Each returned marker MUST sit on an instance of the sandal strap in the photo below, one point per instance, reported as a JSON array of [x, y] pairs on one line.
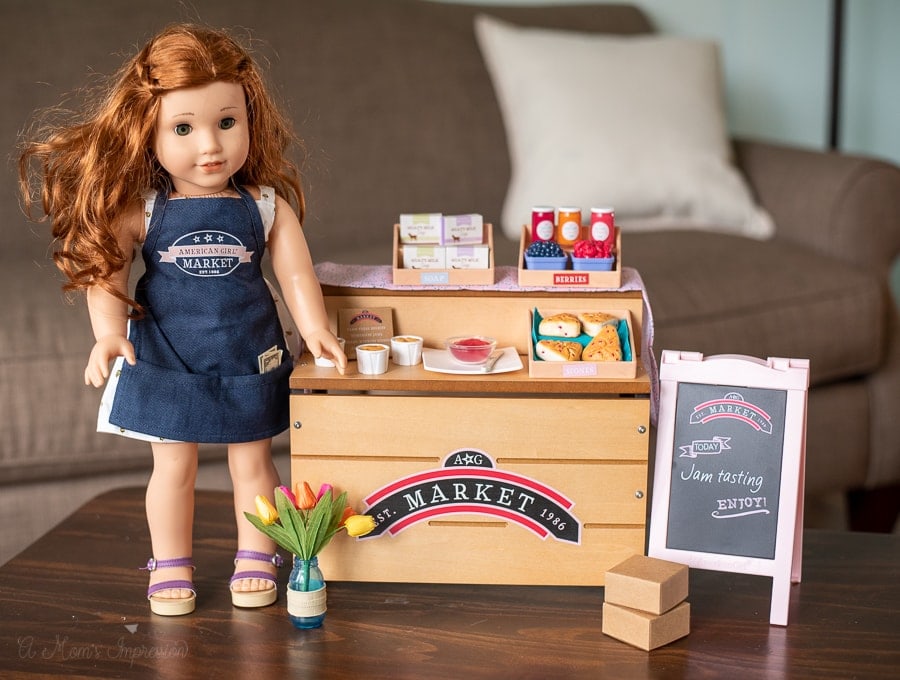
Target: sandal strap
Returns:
[[275, 559], [153, 564], [170, 585], [253, 574]]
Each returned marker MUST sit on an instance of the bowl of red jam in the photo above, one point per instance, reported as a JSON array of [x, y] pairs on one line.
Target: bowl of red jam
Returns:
[[471, 349]]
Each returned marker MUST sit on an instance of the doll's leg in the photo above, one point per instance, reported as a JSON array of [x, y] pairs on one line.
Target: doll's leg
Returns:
[[252, 473], [170, 512]]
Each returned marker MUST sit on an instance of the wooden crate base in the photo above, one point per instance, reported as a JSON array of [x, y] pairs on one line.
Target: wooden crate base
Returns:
[[354, 442], [563, 472], [494, 553]]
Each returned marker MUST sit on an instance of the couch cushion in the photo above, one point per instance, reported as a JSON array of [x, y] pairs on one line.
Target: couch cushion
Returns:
[[636, 122], [760, 301], [49, 427]]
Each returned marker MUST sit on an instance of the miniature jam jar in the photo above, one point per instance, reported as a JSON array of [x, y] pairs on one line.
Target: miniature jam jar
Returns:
[[603, 228], [569, 222], [542, 224]]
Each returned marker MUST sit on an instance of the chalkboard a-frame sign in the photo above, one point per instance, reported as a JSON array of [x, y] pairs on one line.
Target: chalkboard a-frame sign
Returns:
[[730, 467]]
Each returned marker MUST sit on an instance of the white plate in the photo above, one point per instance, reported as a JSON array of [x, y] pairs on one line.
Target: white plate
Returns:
[[441, 361]]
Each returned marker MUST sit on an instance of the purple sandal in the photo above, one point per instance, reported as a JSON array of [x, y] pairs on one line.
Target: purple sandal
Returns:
[[167, 606], [255, 598]]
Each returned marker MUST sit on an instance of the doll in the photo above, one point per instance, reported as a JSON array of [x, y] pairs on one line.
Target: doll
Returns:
[[183, 155]]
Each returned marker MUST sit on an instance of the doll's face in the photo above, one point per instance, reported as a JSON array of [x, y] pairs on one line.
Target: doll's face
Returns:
[[202, 136]]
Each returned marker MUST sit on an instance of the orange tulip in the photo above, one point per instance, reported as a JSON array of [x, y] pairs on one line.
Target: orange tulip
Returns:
[[348, 512], [306, 499]]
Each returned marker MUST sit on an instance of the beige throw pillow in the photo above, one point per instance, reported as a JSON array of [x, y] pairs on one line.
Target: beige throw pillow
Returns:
[[635, 122]]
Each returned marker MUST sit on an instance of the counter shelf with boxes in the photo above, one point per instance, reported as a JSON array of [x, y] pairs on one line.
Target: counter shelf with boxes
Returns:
[[565, 276], [478, 478], [438, 250]]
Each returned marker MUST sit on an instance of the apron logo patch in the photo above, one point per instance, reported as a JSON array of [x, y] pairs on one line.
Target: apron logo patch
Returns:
[[206, 253], [469, 483]]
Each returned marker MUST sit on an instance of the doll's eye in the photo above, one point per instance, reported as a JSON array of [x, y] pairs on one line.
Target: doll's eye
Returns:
[[227, 123], [183, 129]]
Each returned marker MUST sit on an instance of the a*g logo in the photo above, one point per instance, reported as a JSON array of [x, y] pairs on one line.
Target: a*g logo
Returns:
[[469, 483]]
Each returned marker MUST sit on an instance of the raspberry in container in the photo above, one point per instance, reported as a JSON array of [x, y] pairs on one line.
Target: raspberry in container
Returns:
[[543, 226]]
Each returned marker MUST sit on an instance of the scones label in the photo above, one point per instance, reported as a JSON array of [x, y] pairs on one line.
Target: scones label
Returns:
[[470, 483]]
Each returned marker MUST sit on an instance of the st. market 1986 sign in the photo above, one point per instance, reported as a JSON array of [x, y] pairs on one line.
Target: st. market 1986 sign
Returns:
[[469, 482]]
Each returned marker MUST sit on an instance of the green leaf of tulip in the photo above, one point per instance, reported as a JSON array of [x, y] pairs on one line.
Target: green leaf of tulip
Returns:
[[304, 524]]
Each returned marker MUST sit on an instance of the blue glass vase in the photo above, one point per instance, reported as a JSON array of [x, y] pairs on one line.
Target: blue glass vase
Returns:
[[306, 594]]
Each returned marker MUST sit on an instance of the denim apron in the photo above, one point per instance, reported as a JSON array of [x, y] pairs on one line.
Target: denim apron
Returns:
[[209, 316]]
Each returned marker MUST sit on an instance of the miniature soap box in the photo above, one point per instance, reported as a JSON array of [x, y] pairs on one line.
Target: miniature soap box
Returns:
[[463, 230], [424, 257], [418, 264], [467, 257], [421, 228]]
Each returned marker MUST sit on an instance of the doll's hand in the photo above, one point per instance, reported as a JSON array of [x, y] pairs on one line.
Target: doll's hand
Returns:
[[105, 350], [325, 344]]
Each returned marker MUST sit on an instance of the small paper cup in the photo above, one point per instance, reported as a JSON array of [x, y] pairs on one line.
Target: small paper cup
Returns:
[[328, 363], [406, 350], [372, 358]]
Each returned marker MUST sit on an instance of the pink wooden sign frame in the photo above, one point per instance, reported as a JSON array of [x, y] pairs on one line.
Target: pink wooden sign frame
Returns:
[[789, 375]]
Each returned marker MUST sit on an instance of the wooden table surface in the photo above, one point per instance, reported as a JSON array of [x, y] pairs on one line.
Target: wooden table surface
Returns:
[[73, 604]]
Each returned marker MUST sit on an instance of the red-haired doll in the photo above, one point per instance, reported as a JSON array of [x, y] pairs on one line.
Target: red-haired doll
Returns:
[[184, 156]]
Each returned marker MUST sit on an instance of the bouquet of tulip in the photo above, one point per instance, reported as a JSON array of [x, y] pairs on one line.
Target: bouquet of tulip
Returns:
[[303, 522]]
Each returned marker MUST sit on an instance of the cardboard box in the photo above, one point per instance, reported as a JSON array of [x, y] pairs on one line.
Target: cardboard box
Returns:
[[643, 630], [568, 278], [646, 583], [538, 368], [446, 276]]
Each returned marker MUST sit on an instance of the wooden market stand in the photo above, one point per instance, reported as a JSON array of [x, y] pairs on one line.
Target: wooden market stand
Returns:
[[586, 439]]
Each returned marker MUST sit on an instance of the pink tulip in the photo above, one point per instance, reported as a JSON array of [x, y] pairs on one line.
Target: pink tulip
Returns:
[[288, 494]]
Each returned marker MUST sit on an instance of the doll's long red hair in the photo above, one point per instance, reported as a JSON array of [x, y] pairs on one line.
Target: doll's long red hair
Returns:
[[92, 167]]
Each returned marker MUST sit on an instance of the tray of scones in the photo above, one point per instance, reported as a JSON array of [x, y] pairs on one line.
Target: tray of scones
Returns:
[[581, 344]]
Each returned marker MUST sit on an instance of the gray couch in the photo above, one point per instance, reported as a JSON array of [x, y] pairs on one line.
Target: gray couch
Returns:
[[398, 115]]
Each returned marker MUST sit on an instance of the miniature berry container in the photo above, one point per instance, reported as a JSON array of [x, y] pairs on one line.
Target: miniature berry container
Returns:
[[546, 263], [593, 264]]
